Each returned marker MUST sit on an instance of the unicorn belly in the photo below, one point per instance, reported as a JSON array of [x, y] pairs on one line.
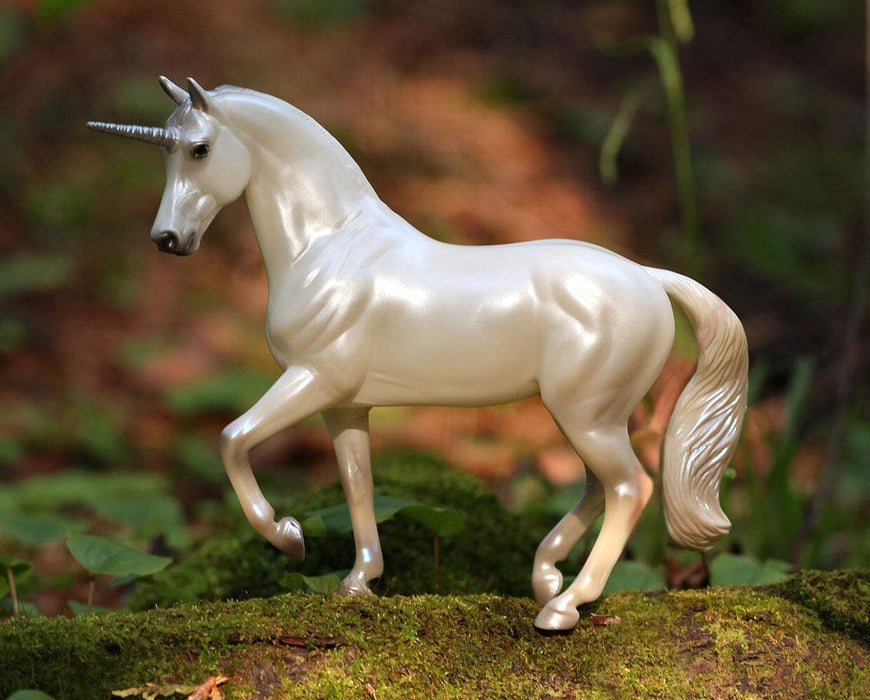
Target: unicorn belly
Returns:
[[450, 373]]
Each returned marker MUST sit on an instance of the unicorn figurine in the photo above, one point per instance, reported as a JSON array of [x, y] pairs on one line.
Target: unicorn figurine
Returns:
[[364, 310]]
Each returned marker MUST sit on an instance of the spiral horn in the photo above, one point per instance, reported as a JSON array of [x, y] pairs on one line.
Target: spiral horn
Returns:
[[168, 138]]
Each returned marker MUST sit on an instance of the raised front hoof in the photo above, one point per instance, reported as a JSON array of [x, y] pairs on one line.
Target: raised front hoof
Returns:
[[553, 619], [353, 585], [288, 538], [546, 583]]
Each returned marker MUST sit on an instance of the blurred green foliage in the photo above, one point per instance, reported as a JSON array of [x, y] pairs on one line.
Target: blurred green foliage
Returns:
[[323, 12], [232, 391], [44, 509], [26, 273], [56, 10]]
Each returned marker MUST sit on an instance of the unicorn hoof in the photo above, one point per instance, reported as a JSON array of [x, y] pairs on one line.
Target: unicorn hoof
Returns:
[[546, 583], [288, 538], [353, 585], [553, 619]]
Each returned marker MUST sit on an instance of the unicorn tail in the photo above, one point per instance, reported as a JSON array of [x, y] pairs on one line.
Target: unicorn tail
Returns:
[[705, 425]]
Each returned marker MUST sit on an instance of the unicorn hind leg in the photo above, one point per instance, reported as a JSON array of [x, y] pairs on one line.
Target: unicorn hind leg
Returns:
[[626, 489], [546, 578]]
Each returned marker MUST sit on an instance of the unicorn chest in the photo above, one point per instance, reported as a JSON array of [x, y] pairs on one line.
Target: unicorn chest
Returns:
[[311, 322]]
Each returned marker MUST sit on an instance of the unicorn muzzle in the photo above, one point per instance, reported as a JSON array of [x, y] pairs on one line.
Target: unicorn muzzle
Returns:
[[171, 242]]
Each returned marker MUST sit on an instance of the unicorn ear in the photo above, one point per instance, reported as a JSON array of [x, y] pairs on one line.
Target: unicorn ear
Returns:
[[171, 89], [198, 96]]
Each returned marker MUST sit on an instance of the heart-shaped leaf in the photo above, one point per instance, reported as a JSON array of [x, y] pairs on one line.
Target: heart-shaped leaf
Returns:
[[100, 555], [25, 609], [336, 519], [34, 529], [17, 565], [328, 583], [444, 522], [733, 569], [634, 576]]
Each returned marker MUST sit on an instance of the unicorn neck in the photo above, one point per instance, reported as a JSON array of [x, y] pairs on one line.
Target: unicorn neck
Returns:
[[289, 214], [303, 185]]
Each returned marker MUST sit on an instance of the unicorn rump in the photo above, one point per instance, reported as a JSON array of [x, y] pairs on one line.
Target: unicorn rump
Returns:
[[364, 310]]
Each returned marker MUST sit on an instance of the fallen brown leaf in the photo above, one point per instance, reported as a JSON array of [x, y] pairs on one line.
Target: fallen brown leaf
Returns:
[[209, 689], [604, 620], [151, 691]]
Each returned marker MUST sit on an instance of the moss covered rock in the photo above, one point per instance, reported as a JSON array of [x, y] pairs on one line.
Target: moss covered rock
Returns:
[[806, 637]]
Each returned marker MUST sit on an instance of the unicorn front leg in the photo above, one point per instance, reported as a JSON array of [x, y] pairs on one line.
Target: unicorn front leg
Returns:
[[349, 429], [297, 394]]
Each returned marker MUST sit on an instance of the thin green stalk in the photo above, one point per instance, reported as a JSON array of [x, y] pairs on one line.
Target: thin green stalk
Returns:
[[668, 64], [616, 135]]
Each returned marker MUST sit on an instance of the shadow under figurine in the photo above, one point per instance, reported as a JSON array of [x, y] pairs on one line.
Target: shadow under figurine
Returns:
[[364, 310]]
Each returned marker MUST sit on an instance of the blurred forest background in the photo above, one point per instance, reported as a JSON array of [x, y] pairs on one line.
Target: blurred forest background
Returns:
[[726, 140]]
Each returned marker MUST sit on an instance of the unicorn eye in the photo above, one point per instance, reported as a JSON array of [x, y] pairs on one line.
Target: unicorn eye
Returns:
[[200, 150]]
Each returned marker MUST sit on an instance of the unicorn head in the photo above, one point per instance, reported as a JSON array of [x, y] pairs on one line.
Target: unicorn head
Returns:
[[207, 166]]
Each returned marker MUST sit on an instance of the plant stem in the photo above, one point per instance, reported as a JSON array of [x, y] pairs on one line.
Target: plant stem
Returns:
[[91, 586], [666, 53], [12, 591]]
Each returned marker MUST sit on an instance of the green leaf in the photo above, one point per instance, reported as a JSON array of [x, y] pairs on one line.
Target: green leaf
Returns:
[[773, 571], [25, 609], [634, 576], [327, 583], [37, 528], [100, 555], [46, 493], [336, 519], [138, 500], [149, 515], [18, 566], [83, 609], [444, 522], [734, 570], [28, 694]]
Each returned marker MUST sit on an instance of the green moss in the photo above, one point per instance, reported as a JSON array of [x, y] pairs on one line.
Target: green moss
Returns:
[[719, 642], [840, 599], [493, 553]]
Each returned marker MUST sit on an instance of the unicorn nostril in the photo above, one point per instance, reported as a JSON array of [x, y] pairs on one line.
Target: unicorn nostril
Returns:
[[167, 241]]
